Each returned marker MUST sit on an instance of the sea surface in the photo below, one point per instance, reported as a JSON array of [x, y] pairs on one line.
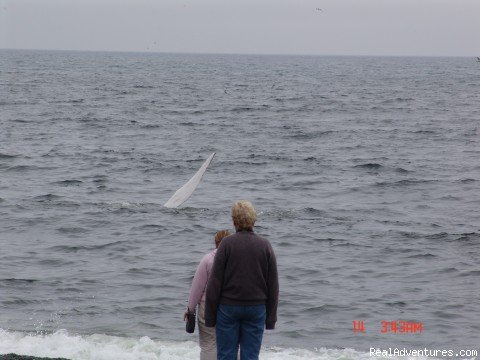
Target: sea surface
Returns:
[[365, 173]]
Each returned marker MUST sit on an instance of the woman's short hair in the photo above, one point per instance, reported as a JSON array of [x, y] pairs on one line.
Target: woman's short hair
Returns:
[[220, 235], [243, 215]]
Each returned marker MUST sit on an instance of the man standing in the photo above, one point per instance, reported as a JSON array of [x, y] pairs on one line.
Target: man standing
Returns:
[[242, 291]]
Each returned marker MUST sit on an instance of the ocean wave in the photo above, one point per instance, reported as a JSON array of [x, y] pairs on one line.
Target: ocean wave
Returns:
[[99, 179], [269, 157], [23, 357], [292, 213], [148, 126], [18, 281], [396, 100], [324, 309], [124, 92], [204, 111], [422, 256], [76, 248], [400, 304], [313, 211], [72, 230], [72, 182], [285, 244], [405, 182], [7, 156], [61, 344], [124, 206], [54, 262], [351, 245], [47, 197], [475, 273], [21, 168], [189, 210], [70, 101], [309, 135], [246, 163], [142, 271], [143, 87], [21, 302], [149, 228], [17, 102], [188, 123], [467, 180], [329, 240], [369, 166], [243, 109], [423, 132], [437, 236], [401, 170], [469, 237]]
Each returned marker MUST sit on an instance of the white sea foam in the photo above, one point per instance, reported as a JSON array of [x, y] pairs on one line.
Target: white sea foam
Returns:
[[103, 347], [94, 347]]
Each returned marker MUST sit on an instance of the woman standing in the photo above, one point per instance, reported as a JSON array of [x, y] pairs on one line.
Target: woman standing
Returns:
[[206, 335]]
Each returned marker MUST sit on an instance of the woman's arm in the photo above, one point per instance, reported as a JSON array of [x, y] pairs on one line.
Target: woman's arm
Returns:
[[214, 287], [198, 284]]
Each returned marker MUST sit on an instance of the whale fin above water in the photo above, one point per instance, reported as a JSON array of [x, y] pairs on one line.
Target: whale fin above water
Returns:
[[182, 194]]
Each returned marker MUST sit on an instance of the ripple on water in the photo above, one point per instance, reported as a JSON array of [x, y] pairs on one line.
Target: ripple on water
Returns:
[[4, 156], [121, 244], [72, 182]]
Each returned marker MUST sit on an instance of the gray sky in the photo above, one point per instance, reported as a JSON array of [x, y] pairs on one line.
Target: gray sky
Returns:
[[343, 27]]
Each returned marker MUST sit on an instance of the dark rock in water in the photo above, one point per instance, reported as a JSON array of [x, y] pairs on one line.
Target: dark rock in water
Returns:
[[23, 357]]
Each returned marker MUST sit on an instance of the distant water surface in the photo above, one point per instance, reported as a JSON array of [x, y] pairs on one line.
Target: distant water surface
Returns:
[[364, 171]]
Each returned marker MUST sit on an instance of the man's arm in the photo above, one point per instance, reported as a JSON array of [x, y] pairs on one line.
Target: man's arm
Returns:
[[273, 290], [214, 286]]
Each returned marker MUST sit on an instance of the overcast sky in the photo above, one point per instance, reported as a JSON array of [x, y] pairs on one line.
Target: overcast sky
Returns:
[[324, 27]]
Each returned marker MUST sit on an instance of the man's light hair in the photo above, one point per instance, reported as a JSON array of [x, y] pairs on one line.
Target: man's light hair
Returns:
[[243, 215]]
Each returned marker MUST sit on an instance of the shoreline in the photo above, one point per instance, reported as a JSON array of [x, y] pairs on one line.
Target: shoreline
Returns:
[[26, 357]]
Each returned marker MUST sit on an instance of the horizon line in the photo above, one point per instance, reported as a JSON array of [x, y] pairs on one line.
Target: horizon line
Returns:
[[236, 53]]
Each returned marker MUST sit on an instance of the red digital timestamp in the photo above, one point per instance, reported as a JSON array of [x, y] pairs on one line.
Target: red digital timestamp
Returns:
[[391, 327]]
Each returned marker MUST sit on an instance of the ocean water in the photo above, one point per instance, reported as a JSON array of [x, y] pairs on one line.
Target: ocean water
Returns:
[[365, 173]]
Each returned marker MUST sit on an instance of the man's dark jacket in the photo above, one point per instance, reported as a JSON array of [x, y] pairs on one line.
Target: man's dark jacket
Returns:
[[244, 273]]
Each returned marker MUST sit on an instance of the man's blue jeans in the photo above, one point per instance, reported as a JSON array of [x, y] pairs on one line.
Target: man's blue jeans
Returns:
[[240, 326]]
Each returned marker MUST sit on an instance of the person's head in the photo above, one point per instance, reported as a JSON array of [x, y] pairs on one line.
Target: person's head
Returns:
[[219, 236], [243, 215]]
